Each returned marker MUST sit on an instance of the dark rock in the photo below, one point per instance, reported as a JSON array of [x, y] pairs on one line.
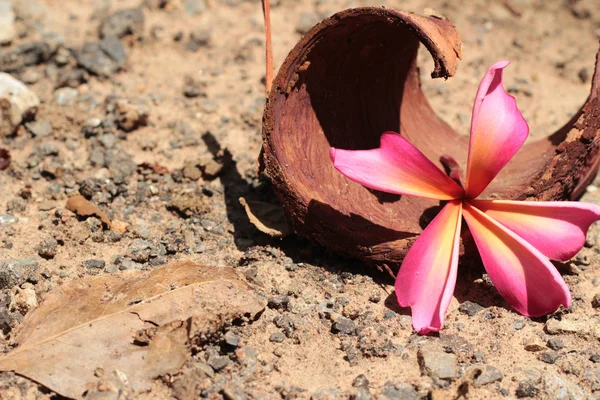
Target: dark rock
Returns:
[[286, 323], [140, 250], [6, 321], [47, 248], [24, 55], [16, 272], [360, 380], [595, 358], [487, 375], [584, 75], [555, 343], [277, 337], [470, 308], [113, 47], [374, 298], [193, 88], [72, 77], [122, 23], [596, 301], [344, 326], [279, 302], [40, 128], [400, 391], [102, 58], [232, 339], [120, 164], [218, 363], [94, 264], [438, 364], [526, 389]]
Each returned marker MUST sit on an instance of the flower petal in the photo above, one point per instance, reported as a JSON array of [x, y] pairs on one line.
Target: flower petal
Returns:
[[428, 274], [396, 167], [497, 131], [522, 275], [556, 228]]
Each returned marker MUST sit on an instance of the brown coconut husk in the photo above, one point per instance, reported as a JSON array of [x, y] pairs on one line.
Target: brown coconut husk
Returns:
[[353, 77]]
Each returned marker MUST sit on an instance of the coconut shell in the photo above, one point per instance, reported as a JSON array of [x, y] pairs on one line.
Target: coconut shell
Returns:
[[354, 76]]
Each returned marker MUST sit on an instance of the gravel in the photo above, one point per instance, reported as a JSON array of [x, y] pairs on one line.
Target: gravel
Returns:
[[123, 22], [343, 326], [438, 364], [470, 308], [94, 264]]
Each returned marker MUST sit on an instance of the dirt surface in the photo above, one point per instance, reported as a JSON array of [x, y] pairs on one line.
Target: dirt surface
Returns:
[[160, 129]]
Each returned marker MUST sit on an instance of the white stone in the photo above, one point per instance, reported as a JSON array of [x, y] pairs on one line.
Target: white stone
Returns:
[[16, 102]]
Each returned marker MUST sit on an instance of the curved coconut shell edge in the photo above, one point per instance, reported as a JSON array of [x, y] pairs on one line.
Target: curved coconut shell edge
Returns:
[[354, 76]]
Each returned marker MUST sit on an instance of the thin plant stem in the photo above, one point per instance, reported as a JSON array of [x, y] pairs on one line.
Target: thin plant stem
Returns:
[[269, 46]]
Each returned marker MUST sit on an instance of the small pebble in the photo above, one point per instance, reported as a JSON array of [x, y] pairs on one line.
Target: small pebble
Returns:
[[549, 357], [596, 301], [470, 308], [344, 326], [98, 264], [555, 343], [277, 337]]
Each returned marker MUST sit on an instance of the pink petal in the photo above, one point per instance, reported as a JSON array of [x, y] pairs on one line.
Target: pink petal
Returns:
[[522, 275], [497, 131], [556, 228], [396, 167], [428, 274]]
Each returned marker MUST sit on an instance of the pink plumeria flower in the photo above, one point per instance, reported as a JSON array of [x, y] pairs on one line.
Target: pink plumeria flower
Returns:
[[515, 239]]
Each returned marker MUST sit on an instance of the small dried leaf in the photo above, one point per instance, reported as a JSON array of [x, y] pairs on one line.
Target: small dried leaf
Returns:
[[4, 159], [267, 218], [138, 323], [83, 208]]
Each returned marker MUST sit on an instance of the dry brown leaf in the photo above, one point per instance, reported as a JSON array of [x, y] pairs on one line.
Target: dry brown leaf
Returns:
[[137, 323], [82, 207], [267, 218]]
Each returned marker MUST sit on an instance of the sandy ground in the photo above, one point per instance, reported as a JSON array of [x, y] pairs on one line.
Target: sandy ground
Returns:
[[332, 329]]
